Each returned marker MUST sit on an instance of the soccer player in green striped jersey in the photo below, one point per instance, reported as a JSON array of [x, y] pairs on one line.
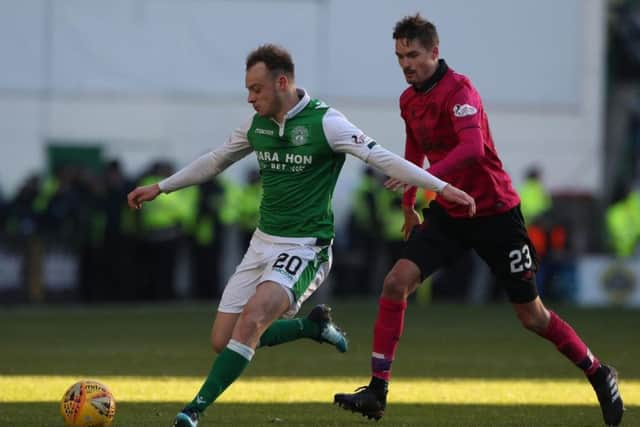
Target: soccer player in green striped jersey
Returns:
[[300, 144]]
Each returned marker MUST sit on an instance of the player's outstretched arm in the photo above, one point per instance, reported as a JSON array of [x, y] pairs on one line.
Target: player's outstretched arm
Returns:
[[201, 169], [344, 137], [448, 192], [142, 194], [455, 195]]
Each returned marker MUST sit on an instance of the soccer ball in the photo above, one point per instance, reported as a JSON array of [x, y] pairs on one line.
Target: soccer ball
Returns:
[[88, 403]]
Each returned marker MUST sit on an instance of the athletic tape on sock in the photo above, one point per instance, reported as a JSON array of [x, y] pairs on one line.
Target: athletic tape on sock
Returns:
[[242, 349]]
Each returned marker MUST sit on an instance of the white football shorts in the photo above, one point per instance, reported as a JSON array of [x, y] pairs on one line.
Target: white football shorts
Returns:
[[299, 264]]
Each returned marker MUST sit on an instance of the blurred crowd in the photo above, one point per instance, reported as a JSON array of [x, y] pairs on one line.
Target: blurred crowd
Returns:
[[69, 234], [122, 254], [186, 243]]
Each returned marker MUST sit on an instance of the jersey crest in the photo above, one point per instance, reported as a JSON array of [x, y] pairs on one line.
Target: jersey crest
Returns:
[[299, 135]]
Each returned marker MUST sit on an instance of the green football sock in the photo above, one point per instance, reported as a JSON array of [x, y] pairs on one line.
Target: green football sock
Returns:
[[225, 370], [285, 330]]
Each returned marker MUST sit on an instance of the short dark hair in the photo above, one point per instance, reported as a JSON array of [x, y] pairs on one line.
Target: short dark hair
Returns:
[[415, 27], [275, 58]]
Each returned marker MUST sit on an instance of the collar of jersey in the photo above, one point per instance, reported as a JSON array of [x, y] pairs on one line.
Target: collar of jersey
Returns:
[[304, 101], [434, 79]]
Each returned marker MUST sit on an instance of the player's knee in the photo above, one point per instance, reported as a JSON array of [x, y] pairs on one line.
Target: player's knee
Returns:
[[251, 321], [218, 344], [395, 287]]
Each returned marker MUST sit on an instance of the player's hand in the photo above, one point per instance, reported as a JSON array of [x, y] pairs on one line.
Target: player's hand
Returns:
[[455, 195], [142, 194], [411, 219], [394, 184]]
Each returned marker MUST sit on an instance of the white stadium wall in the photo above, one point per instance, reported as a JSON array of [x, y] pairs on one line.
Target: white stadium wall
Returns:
[[165, 79]]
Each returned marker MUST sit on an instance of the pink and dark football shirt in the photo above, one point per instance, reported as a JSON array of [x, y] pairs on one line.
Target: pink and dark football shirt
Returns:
[[446, 122]]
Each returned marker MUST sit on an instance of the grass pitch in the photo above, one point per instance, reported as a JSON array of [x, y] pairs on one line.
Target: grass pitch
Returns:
[[456, 366]]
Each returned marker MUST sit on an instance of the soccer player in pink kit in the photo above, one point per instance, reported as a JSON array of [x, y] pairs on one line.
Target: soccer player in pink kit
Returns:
[[446, 122]]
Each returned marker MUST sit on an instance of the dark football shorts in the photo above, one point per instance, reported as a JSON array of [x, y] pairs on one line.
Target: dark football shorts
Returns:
[[500, 240]]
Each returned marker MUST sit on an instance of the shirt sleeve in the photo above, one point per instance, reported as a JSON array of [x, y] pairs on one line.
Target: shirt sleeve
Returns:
[[465, 109], [414, 154], [465, 112], [344, 137], [211, 163]]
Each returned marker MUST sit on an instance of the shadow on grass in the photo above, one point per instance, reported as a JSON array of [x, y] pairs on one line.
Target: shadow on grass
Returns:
[[313, 414]]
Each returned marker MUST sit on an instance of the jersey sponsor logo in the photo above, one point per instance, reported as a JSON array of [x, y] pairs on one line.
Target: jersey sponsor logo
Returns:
[[361, 139], [299, 135], [320, 105], [285, 162], [269, 132], [268, 156], [464, 110], [298, 159]]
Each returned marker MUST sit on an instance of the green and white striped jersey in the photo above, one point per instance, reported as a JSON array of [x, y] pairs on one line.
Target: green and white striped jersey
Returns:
[[300, 160]]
